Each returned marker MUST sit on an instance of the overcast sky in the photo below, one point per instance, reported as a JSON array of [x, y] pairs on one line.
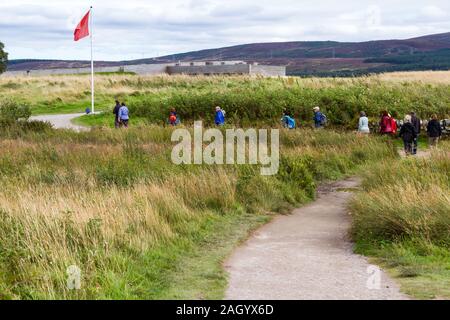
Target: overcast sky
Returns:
[[133, 29]]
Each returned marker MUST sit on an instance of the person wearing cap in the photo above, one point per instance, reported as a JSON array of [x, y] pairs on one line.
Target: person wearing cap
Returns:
[[319, 118]]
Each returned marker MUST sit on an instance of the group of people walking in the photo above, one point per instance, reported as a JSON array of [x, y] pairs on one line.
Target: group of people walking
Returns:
[[288, 121], [219, 117], [410, 129], [122, 116]]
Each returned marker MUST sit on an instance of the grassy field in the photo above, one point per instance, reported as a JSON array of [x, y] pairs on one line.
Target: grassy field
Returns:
[[402, 219], [106, 119], [112, 203], [247, 100], [139, 227]]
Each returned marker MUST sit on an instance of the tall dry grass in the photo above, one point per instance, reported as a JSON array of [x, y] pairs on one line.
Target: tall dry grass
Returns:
[[430, 77], [402, 219], [113, 204], [403, 200], [46, 228]]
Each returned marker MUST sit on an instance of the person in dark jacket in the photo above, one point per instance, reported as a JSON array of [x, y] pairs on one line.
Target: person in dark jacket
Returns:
[[416, 122], [408, 134], [434, 131], [116, 114]]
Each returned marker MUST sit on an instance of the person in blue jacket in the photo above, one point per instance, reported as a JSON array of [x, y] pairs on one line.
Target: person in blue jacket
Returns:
[[288, 121], [124, 116], [220, 117], [320, 119]]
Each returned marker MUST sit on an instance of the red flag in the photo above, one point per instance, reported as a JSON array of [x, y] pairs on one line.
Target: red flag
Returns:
[[82, 29]]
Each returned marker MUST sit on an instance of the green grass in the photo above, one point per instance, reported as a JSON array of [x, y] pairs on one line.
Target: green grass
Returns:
[[106, 119], [245, 99], [200, 273], [67, 107], [422, 143], [189, 268], [402, 220], [112, 202], [421, 268], [139, 227]]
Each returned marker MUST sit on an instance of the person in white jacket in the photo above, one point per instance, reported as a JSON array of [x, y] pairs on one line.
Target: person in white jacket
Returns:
[[363, 126]]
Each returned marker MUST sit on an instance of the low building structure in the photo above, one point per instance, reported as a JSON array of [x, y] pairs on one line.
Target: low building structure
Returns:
[[227, 69], [187, 68]]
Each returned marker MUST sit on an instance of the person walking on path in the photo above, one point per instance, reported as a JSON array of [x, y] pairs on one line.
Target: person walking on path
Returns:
[[417, 123], [219, 118], [386, 124], [173, 117], [288, 121], [363, 126], [434, 131], [408, 134], [116, 114], [320, 119], [124, 116]]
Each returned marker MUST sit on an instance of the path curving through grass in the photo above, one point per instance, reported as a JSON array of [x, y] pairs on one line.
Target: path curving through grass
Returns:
[[307, 255], [62, 121]]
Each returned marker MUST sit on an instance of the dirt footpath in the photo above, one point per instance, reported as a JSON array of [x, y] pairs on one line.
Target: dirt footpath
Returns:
[[62, 121], [307, 255]]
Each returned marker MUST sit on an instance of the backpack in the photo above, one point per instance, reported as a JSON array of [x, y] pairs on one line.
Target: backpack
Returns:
[[289, 122], [323, 120]]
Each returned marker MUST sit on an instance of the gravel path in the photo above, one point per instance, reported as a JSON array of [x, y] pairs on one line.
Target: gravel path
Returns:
[[306, 255], [423, 154], [62, 121]]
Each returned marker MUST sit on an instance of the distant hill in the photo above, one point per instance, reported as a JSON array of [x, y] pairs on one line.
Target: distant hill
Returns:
[[322, 58]]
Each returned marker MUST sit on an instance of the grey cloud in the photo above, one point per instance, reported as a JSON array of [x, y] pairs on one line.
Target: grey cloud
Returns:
[[133, 28]]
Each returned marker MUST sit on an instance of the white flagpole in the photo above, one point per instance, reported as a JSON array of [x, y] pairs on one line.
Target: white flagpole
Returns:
[[92, 65]]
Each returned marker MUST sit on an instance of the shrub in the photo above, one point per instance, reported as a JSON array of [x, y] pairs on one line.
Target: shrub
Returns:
[[13, 111]]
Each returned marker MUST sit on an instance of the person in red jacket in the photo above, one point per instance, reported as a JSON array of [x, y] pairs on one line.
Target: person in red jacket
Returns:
[[393, 125], [386, 124]]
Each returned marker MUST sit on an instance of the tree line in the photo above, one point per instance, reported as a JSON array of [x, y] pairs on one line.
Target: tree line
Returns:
[[3, 58]]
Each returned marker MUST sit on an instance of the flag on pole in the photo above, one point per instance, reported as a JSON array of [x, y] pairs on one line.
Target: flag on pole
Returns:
[[82, 29]]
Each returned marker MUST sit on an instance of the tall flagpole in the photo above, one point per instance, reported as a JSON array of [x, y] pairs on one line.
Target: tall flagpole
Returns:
[[92, 65]]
